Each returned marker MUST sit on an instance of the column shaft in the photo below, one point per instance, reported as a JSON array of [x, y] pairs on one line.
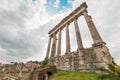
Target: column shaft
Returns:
[[53, 51], [95, 35], [78, 36], [67, 40], [48, 48], [59, 44]]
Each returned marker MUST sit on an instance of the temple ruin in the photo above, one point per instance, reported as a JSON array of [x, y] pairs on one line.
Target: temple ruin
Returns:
[[84, 59]]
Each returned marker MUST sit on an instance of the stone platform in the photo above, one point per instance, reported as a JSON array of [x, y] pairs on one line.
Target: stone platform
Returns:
[[90, 59], [87, 60]]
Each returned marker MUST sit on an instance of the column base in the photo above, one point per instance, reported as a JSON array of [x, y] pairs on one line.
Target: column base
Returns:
[[80, 49], [99, 44], [52, 61]]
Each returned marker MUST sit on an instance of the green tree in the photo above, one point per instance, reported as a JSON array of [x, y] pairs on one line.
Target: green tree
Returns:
[[1, 68], [14, 63], [112, 73], [45, 62]]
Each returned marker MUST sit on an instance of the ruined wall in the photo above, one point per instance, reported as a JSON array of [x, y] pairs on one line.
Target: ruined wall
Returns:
[[88, 59]]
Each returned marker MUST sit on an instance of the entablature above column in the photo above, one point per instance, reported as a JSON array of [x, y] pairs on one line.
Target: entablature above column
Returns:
[[68, 19]]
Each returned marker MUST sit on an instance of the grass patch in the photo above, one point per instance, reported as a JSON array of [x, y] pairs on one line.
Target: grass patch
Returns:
[[71, 75]]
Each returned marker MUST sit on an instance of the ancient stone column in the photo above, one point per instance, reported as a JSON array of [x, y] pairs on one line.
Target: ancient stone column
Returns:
[[48, 48], [67, 39], [78, 36], [59, 44], [53, 50], [95, 35]]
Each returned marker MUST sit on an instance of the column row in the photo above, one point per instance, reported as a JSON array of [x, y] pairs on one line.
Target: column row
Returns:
[[94, 33]]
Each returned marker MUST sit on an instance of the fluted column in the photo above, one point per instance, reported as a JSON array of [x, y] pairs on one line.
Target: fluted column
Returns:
[[67, 39], [53, 51], [95, 35], [59, 44], [48, 48], [78, 36]]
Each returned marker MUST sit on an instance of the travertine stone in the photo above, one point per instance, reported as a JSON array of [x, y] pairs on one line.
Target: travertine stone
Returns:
[[59, 44], [103, 54], [95, 35], [78, 36], [68, 19], [67, 40], [84, 59], [53, 51], [48, 49], [90, 61]]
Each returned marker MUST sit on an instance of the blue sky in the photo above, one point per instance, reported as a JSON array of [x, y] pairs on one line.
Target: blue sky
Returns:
[[52, 9]]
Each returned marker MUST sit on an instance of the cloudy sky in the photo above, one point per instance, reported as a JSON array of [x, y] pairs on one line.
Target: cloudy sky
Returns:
[[24, 25]]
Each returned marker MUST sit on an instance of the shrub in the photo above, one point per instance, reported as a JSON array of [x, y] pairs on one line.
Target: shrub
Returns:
[[45, 62], [112, 73]]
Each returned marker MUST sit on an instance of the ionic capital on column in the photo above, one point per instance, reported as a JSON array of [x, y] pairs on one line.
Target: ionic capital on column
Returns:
[[78, 36], [48, 48], [67, 39]]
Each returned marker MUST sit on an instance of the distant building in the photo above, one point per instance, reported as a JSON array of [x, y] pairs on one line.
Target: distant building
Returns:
[[29, 67], [1, 76], [19, 66], [9, 69], [1, 64]]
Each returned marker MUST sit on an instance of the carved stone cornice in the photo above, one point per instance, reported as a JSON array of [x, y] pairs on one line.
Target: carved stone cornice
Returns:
[[68, 19]]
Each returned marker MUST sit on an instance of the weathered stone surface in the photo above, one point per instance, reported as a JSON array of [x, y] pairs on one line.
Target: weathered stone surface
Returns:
[[89, 59], [43, 73]]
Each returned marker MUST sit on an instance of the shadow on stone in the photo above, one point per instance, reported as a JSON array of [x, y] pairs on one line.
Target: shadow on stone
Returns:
[[43, 73]]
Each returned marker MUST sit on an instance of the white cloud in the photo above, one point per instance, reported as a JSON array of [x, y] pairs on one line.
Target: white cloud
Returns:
[[57, 3], [70, 1], [20, 33], [9, 6], [24, 27]]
